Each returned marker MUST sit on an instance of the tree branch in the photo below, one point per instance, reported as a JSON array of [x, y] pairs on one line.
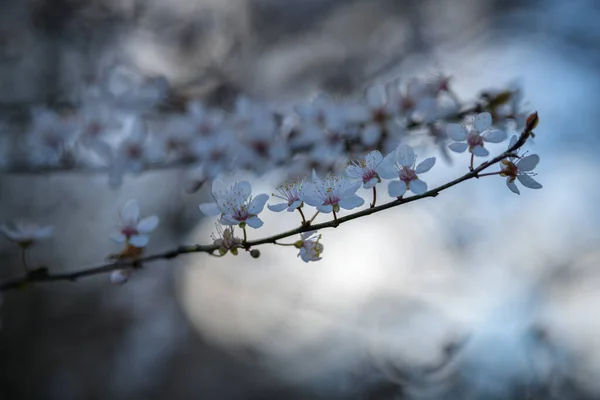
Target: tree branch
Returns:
[[42, 274]]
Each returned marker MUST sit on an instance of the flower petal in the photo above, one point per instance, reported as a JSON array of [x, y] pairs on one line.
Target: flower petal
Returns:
[[325, 208], [480, 151], [513, 141], [243, 188], [528, 163], [350, 189], [354, 172], [148, 224], [386, 168], [254, 222], [371, 134], [130, 211], [295, 205], [315, 177], [120, 276], [512, 186], [375, 96], [228, 220], [458, 147], [44, 232], [495, 136], [417, 186], [304, 255], [529, 182], [396, 188], [457, 132], [425, 165], [482, 121], [312, 199], [209, 209], [218, 186], [277, 207], [405, 155], [138, 240], [370, 184], [374, 158], [258, 203], [118, 237], [351, 202]]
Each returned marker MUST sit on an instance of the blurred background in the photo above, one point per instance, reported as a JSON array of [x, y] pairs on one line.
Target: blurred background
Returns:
[[478, 294]]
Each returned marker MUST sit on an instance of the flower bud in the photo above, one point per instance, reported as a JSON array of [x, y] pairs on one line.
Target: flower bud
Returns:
[[255, 253]]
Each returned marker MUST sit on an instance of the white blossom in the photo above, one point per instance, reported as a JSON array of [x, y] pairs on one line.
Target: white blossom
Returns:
[[378, 115], [120, 276], [310, 248], [521, 169], [131, 229], [401, 165], [235, 204], [367, 170], [474, 139], [418, 102], [292, 194], [332, 193], [26, 233], [51, 137], [130, 155]]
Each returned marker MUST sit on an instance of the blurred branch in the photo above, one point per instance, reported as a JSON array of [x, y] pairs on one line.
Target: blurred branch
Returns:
[[42, 274], [74, 167]]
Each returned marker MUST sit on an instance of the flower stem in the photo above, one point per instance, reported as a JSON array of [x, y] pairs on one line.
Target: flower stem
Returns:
[[24, 259], [374, 196], [302, 214], [245, 236], [313, 218], [472, 160], [335, 216], [284, 244]]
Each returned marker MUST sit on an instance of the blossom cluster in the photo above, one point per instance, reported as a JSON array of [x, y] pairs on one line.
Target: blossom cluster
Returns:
[[114, 129], [117, 128]]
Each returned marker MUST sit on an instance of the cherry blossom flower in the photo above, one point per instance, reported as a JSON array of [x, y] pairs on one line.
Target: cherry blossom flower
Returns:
[[520, 169], [131, 154], [26, 233], [401, 164], [216, 152], [131, 90], [206, 122], [474, 140], [310, 248], [120, 276], [292, 193], [235, 204], [174, 141], [332, 193], [226, 240], [260, 144], [418, 101], [378, 115], [51, 137], [366, 170], [95, 122], [132, 230], [320, 115]]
